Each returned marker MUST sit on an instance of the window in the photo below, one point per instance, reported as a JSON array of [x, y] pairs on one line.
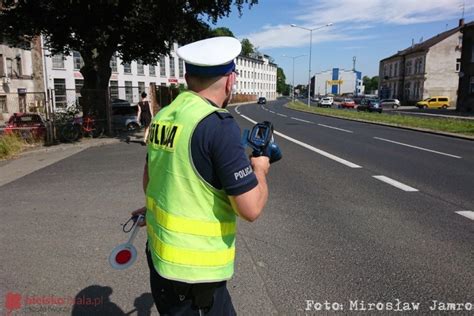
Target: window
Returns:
[[127, 69], [2, 70], [408, 68], [79, 83], [458, 64], [181, 68], [18, 70], [443, 99], [58, 61], [128, 91], [114, 94], [3, 104], [9, 67], [141, 87], [390, 71], [78, 62], [151, 70], [162, 67], [172, 67], [113, 63], [395, 70], [60, 99], [471, 85], [140, 69], [472, 52]]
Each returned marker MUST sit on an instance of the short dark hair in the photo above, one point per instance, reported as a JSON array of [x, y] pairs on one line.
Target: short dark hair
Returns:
[[143, 94]]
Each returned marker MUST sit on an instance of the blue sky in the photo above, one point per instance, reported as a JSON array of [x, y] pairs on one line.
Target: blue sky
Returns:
[[368, 29]]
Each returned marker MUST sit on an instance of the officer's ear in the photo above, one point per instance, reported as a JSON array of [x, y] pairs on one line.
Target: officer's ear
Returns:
[[229, 83]]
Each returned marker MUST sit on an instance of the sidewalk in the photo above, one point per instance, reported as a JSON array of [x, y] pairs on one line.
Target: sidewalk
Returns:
[[37, 158]]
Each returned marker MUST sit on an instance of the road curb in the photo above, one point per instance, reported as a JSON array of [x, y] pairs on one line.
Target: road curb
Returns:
[[428, 131]]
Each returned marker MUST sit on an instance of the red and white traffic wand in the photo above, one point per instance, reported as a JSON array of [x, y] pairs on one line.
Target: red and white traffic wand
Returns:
[[124, 255]]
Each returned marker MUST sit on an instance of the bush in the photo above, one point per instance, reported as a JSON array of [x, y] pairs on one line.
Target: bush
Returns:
[[10, 144]]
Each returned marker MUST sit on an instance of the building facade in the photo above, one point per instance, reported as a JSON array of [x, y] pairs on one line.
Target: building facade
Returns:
[[429, 68], [257, 76], [337, 81], [128, 80], [466, 75], [21, 79]]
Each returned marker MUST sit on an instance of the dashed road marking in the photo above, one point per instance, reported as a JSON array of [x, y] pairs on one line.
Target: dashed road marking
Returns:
[[416, 147], [297, 119], [468, 214], [336, 128], [283, 115], [395, 183]]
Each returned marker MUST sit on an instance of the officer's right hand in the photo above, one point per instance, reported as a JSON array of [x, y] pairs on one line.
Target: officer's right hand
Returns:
[[260, 164], [140, 211]]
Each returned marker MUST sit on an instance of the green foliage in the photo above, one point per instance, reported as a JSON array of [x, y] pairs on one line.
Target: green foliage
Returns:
[[222, 31], [282, 87], [10, 144], [371, 84], [133, 29], [247, 47]]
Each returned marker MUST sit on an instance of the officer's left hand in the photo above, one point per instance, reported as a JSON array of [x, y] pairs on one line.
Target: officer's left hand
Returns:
[[140, 211]]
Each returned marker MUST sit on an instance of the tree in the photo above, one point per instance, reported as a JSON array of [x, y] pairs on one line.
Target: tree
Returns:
[[247, 47], [371, 84], [134, 29], [222, 31], [282, 87]]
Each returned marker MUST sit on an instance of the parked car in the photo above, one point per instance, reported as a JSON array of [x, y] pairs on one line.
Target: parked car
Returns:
[[124, 115], [27, 125], [326, 102], [370, 105], [390, 103], [434, 102], [347, 103], [262, 100]]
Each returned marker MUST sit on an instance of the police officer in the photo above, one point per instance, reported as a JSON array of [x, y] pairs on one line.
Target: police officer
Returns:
[[197, 180]]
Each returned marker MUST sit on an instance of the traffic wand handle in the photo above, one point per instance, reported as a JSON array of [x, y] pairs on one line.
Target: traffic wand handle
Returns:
[[125, 255]]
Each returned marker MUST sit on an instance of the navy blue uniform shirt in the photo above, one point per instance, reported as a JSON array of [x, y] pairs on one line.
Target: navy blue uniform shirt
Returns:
[[219, 156]]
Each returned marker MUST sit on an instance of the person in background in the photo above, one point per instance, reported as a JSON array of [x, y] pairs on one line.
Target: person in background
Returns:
[[145, 113]]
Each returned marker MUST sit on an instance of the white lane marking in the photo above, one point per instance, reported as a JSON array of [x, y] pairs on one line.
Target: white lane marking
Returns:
[[282, 115], [416, 147], [271, 112], [237, 109], [297, 119], [314, 149], [395, 183], [468, 214], [339, 129]]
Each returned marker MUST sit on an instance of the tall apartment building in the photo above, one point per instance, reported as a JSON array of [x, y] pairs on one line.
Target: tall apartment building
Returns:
[[257, 76], [429, 68]]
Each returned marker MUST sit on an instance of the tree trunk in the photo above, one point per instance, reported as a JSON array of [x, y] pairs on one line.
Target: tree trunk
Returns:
[[94, 93]]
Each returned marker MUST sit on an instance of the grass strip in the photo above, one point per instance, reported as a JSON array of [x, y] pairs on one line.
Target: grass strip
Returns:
[[448, 125], [10, 144]]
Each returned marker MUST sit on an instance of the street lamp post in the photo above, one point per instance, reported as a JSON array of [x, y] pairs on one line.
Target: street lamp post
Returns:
[[310, 45], [293, 70]]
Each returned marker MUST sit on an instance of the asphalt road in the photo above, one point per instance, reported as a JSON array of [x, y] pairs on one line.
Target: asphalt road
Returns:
[[331, 232]]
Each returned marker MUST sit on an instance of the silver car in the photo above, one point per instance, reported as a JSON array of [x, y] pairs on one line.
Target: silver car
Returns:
[[390, 103]]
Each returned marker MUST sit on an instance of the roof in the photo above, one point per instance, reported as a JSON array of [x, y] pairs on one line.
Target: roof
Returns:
[[426, 45]]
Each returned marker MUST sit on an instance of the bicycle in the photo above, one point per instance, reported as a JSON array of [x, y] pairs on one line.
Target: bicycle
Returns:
[[86, 126]]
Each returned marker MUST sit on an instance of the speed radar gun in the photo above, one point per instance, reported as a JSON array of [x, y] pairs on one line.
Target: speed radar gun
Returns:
[[260, 140], [124, 255]]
